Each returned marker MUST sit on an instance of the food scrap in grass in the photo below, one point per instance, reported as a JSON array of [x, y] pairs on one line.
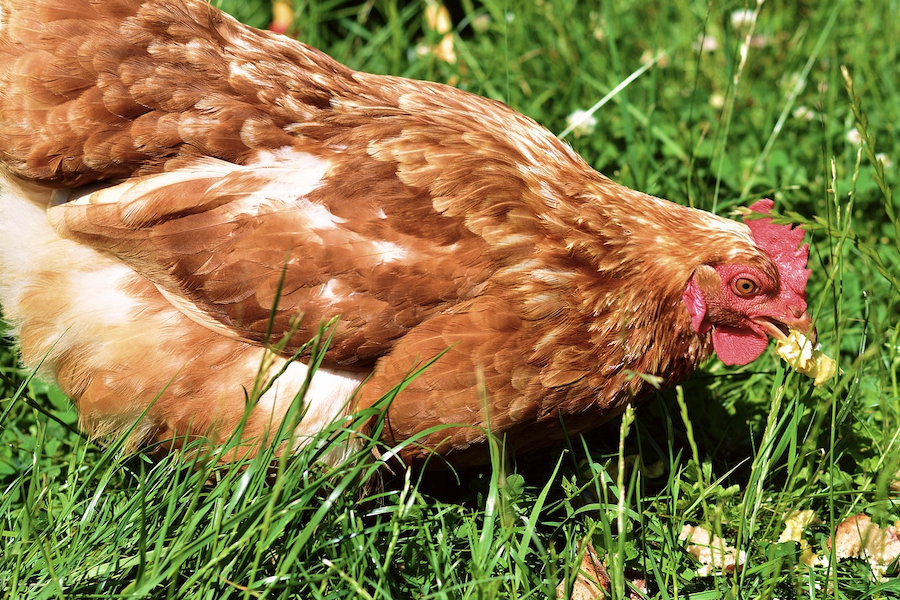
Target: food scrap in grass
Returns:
[[794, 526], [799, 352], [859, 537], [714, 554]]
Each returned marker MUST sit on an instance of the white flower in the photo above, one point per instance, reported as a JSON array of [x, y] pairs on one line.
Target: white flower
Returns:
[[581, 123], [648, 56], [794, 81], [481, 23], [717, 100], [804, 113], [854, 137], [706, 43], [741, 18], [759, 41], [885, 160]]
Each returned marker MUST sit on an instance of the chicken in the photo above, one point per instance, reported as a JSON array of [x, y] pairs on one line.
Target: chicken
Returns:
[[185, 198]]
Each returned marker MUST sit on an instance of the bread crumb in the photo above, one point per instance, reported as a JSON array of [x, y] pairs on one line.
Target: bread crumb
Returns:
[[798, 352], [859, 537], [712, 551]]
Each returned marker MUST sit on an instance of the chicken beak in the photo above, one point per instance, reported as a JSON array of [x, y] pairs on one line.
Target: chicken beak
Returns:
[[780, 327]]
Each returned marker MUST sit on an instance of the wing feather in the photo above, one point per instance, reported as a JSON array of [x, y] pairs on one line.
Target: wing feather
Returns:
[[226, 242]]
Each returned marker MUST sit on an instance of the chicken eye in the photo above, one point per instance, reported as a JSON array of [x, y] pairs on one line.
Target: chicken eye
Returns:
[[744, 286]]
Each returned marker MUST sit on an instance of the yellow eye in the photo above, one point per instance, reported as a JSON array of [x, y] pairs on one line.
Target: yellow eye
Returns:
[[744, 286]]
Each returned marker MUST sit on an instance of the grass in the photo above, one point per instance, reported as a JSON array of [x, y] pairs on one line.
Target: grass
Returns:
[[797, 102]]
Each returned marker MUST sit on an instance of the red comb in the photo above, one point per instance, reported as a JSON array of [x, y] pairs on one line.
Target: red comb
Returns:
[[782, 243]]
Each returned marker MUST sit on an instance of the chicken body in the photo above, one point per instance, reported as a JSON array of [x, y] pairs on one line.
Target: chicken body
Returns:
[[178, 189]]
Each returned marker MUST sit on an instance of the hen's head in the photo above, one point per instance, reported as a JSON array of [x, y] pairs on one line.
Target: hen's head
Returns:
[[743, 304]]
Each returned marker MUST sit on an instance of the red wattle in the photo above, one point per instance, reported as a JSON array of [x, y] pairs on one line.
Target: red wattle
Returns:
[[738, 346]]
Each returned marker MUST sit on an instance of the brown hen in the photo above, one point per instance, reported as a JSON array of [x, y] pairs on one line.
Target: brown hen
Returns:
[[175, 185]]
